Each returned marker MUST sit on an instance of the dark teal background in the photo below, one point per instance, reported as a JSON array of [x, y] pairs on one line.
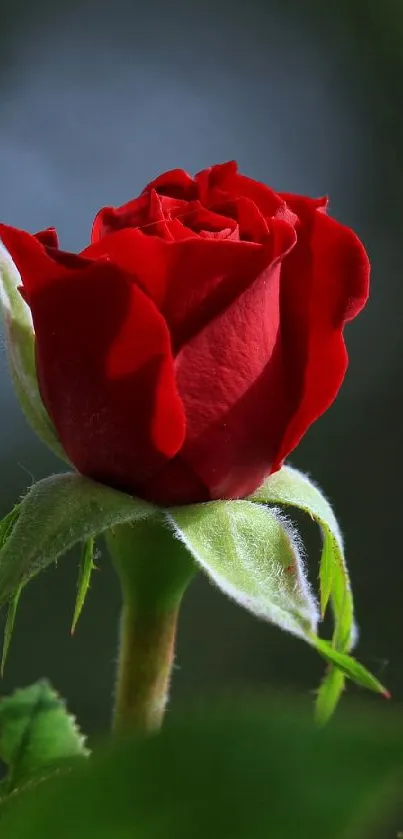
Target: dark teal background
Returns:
[[96, 98]]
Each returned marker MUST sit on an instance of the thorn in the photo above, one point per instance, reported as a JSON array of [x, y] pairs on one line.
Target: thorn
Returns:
[[386, 694]]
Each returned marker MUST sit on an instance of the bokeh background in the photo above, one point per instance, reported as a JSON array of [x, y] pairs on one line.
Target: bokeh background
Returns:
[[96, 98]]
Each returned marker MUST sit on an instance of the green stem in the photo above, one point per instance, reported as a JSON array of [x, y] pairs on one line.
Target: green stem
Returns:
[[154, 569]]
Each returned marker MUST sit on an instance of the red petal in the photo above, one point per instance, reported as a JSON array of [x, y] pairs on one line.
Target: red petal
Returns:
[[252, 225], [190, 280], [325, 282], [225, 180], [144, 257], [48, 237], [176, 483], [175, 183], [104, 362], [156, 222], [135, 213], [110, 219], [207, 275], [303, 206], [37, 263], [107, 377], [204, 221], [231, 379]]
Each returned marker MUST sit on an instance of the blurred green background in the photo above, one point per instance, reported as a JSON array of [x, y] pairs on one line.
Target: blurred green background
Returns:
[[96, 98]]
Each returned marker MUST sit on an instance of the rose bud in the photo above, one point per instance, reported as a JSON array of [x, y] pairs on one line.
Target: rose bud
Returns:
[[184, 353]]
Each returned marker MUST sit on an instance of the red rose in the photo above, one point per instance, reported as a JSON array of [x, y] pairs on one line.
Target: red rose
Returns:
[[185, 352]]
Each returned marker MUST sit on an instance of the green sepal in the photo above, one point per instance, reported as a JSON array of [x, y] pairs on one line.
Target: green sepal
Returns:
[[349, 666], [85, 570], [249, 549], [9, 627], [56, 513], [7, 524], [6, 527], [37, 736], [20, 341], [329, 694], [291, 488], [253, 555]]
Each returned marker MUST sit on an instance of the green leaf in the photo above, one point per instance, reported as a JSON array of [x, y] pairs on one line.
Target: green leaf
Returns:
[[291, 488], [84, 577], [252, 772], [252, 554], [37, 735], [349, 666], [9, 627], [20, 342], [55, 514]]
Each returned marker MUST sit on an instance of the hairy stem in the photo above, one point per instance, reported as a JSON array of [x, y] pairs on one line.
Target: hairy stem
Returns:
[[144, 668], [154, 570]]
